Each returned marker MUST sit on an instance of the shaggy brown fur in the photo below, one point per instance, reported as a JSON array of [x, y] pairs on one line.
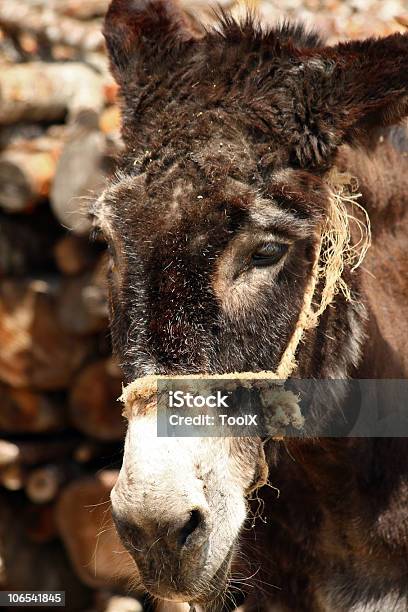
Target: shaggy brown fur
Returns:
[[228, 138]]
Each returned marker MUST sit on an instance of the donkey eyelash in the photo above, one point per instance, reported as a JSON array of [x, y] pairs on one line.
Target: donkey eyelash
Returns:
[[97, 235], [269, 254]]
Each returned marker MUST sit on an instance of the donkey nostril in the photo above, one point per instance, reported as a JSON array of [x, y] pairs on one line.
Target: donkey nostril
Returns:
[[193, 522], [130, 534]]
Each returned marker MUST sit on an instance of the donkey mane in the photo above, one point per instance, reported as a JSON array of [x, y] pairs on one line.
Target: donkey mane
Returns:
[[252, 34]]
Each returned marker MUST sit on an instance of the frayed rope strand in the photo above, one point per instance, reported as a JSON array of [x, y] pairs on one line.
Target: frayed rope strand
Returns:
[[336, 251]]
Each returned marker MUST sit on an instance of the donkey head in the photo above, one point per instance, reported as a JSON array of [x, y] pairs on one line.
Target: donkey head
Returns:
[[213, 222]]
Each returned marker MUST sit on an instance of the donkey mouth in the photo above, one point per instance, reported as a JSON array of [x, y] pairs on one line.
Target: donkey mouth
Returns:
[[204, 593], [214, 599]]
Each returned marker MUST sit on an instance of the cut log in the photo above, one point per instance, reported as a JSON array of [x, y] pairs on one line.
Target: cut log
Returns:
[[40, 91], [43, 483], [35, 351], [47, 26], [80, 177], [85, 524], [26, 172], [12, 477], [74, 255], [93, 404], [25, 179], [25, 411], [9, 453]]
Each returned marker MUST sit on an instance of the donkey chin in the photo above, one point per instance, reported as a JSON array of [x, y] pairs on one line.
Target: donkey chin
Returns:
[[179, 505]]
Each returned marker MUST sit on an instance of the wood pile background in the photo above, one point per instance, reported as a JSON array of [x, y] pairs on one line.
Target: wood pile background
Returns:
[[61, 429]]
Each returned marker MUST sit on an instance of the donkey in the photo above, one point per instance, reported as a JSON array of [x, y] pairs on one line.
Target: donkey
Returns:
[[212, 222]]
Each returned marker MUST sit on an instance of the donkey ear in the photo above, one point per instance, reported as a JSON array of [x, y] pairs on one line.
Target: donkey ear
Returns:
[[349, 90], [372, 83], [142, 34]]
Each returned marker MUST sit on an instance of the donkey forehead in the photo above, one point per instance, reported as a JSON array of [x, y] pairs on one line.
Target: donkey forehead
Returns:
[[140, 207], [192, 165], [183, 199]]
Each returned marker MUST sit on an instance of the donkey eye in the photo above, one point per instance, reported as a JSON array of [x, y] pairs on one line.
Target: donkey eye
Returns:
[[269, 254]]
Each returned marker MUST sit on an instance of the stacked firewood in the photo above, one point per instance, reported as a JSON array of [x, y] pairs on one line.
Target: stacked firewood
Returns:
[[61, 429]]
